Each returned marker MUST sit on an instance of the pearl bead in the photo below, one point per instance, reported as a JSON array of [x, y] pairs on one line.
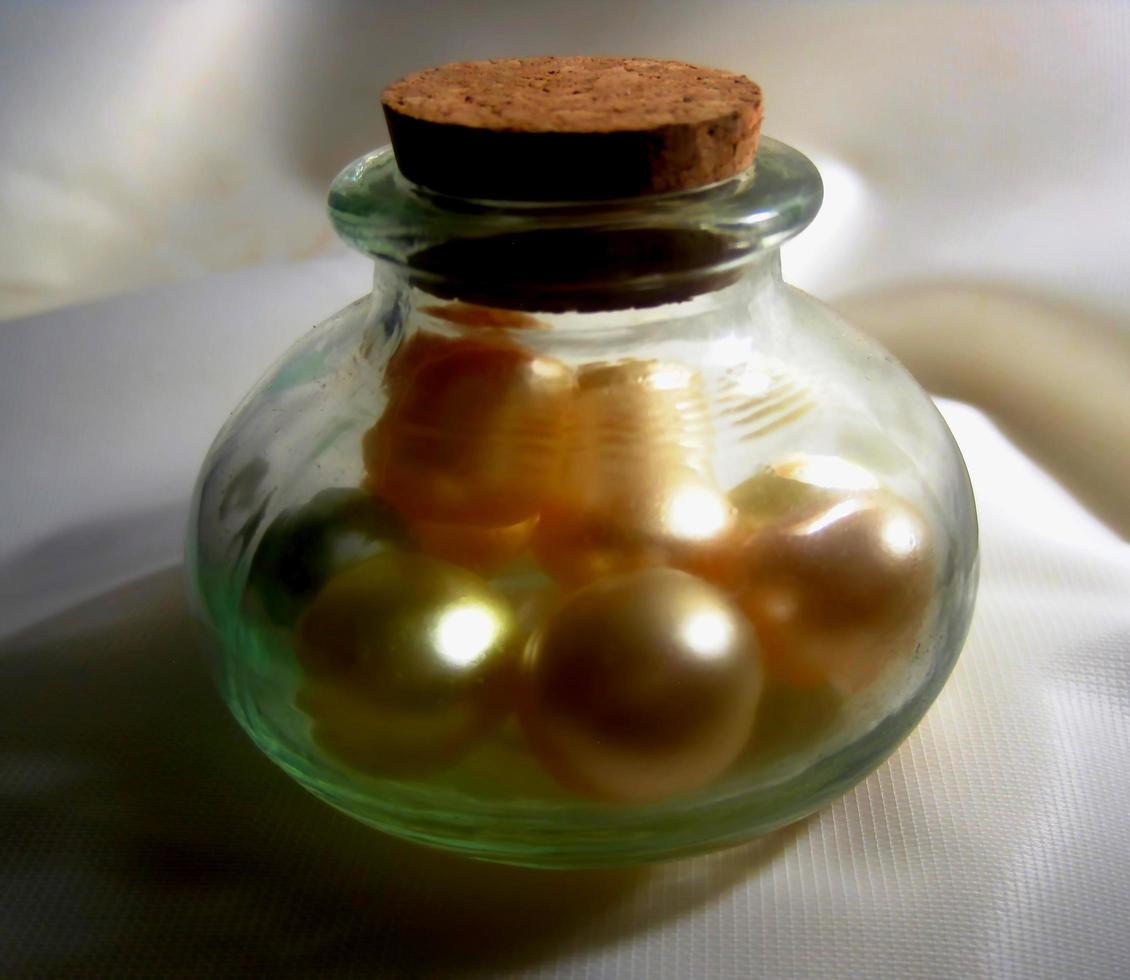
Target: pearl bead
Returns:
[[839, 588], [473, 431], [636, 488], [677, 519], [408, 660], [632, 420], [640, 687], [303, 547]]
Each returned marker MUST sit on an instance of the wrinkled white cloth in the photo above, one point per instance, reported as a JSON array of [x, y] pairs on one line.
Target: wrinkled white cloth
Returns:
[[142, 835]]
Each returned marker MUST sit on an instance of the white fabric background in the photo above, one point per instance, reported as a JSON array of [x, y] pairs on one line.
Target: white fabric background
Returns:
[[975, 157]]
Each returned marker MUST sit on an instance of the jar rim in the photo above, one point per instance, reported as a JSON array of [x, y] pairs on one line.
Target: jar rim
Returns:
[[702, 234]]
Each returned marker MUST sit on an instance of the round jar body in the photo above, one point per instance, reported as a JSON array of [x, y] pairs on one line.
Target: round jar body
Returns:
[[583, 588]]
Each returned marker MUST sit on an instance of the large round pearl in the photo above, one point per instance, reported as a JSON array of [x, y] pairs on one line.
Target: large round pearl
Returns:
[[306, 545], [473, 431], [640, 687], [839, 588], [408, 660]]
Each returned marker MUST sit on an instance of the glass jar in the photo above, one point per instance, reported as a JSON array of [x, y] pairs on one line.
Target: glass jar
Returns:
[[583, 539]]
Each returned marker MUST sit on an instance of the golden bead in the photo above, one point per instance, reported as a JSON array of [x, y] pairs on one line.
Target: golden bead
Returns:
[[631, 421], [473, 431], [640, 687], [839, 588], [407, 661], [636, 488], [677, 519]]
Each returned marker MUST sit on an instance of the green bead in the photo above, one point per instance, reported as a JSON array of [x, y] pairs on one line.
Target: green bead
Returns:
[[305, 546]]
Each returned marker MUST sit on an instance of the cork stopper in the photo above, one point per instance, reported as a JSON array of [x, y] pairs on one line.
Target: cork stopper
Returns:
[[571, 129]]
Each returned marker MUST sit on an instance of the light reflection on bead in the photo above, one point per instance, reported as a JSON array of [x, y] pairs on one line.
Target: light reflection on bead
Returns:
[[407, 661], [640, 687], [473, 431]]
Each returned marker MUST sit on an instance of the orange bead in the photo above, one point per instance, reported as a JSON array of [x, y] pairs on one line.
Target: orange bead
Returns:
[[677, 519], [473, 431], [636, 488], [418, 349], [485, 317], [839, 589], [633, 419], [481, 549]]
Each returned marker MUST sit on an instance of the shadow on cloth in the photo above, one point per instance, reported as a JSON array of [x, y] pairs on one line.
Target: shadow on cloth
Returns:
[[142, 830]]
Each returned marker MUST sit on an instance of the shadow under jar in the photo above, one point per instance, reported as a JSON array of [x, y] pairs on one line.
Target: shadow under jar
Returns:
[[584, 539]]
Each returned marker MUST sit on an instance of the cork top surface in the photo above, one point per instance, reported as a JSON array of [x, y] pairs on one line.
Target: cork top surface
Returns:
[[573, 95]]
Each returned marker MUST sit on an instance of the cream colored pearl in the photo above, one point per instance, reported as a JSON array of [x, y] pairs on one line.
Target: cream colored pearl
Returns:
[[641, 686], [839, 588], [407, 660]]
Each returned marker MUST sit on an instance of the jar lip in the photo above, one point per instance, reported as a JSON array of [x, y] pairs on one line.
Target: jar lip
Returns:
[[377, 211]]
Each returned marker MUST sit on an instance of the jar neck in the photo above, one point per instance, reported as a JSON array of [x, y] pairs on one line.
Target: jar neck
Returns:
[[583, 257], [756, 284], [580, 270]]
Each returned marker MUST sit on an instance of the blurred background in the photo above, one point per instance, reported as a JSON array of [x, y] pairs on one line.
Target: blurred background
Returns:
[[975, 155], [150, 141]]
